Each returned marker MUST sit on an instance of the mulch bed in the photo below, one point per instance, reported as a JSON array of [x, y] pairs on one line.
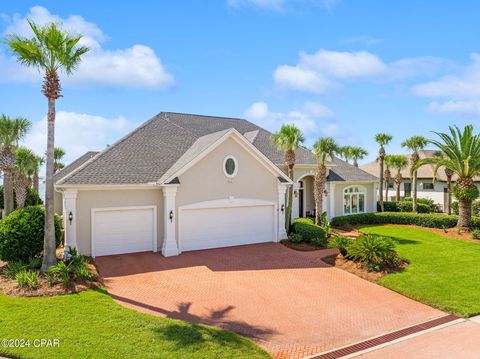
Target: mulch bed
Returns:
[[338, 261], [9, 286], [302, 246]]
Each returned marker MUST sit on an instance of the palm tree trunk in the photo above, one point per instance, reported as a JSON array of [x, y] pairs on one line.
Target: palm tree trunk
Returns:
[[318, 190], [49, 246], [381, 184], [20, 196], [414, 192], [386, 190], [36, 181], [8, 202], [464, 214], [288, 212], [449, 195], [355, 163]]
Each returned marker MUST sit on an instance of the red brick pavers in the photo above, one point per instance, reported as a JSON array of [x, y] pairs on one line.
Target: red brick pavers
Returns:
[[289, 302], [458, 341]]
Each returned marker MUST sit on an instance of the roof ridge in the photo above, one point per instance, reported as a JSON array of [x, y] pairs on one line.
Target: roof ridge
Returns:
[[211, 116], [165, 114]]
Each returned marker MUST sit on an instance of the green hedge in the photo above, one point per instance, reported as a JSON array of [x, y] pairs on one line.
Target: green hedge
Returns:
[[33, 199], [424, 205], [475, 207], [430, 220], [309, 231]]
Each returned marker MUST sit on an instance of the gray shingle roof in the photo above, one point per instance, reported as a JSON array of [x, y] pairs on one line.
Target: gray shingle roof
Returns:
[[342, 171], [74, 165], [165, 142]]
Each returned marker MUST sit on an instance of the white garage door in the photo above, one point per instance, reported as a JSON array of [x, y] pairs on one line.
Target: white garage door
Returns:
[[123, 230], [203, 228]]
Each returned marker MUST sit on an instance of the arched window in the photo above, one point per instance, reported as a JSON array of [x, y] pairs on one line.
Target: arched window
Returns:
[[354, 200]]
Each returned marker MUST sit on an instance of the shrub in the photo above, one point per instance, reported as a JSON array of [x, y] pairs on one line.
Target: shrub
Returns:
[[389, 206], [295, 238], [476, 234], [424, 205], [34, 263], [407, 206], [62, 272], [340, 242], [454, 206], [309, 231], [319, 242], [475, 207], [13, 268], [75, 269], [27, 279], [33, 199], [79, 268], [21, 234], [374, 252], [430, 220]]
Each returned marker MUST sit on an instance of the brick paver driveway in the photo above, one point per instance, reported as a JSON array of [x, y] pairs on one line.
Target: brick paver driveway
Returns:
[[289, 302]]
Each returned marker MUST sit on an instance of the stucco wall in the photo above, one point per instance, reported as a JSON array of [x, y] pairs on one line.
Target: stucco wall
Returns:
[[58, 202], [370, 206], [86, 200]]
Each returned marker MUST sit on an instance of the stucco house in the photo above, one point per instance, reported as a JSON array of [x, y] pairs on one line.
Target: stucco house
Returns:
[[183, 182], [427, 186]]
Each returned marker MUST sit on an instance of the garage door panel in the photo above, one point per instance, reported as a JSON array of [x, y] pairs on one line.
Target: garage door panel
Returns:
[[119, 231], [205, 228]]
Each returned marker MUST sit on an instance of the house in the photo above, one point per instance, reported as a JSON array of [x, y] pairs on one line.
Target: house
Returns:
[[427, 187], [183, 182]]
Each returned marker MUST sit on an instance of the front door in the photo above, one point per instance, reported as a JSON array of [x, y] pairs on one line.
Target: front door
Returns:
[[407, 189], [300, 203]]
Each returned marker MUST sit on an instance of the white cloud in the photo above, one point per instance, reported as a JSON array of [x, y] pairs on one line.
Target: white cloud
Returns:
[[313, 118], [137, 66], [78, 133], [363, 40], [461, 107], [324, 69]]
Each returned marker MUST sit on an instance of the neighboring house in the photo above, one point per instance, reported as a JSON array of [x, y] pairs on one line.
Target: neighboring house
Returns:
[[426, 186], [184, 182]]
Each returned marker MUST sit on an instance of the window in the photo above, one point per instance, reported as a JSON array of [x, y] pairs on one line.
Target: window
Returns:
[[354, 200], [427, 185], [230, 166]]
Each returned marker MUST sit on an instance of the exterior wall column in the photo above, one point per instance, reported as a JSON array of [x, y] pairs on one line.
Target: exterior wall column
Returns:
[[295, 202], [169, 246], [331, 192], [70, 210], [375, 194], [282, 233]]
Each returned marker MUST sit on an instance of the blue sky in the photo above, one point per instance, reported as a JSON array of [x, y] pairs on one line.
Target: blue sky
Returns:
[[342, 68]]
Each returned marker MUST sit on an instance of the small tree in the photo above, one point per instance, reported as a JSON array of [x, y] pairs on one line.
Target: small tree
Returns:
[[25, 163], [415, 144], [382, 139], [398, 162], [58, 154]]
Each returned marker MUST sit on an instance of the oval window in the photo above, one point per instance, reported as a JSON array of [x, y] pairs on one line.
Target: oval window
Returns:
[[230, 166]]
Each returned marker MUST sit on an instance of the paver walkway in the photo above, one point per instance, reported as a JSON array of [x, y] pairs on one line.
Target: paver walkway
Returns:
[[289, 302]]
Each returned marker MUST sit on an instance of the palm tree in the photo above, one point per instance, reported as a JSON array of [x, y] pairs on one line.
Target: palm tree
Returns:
[[12, 130], [461, 154], [414, 144], [449, 174], [346, 153], [398, 162], [382, 139], [35, 177], [51, 51], [58, 154], [287, 140], [324, 150], [387, 174], [25, 164], [357, 154]]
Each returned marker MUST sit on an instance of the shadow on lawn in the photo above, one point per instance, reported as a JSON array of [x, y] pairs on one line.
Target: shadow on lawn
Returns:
[[216, 317]]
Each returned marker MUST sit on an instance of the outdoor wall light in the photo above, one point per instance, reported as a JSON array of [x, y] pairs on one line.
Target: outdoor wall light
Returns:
[[282, 208], [295, 193], [171, 216], [70, 217]]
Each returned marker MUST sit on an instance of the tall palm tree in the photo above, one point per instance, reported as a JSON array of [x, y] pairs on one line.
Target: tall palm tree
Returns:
[[287, 140], [324, 149], [414, 144], [51, 50], [25, 164], [35, 177], [461, 154], [12, 130], [387, 174], [382, 139], [58, 154], [358, 154], [448, 174], [398, 162]]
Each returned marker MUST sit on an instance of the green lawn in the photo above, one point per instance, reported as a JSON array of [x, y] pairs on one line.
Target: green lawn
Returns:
[[92, 325], [443, 272]]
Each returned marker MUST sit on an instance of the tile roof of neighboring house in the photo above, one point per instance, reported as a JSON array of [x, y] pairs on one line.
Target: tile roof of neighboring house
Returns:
[[426, 171], [342, 171], [163, 143], [74, 165]]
